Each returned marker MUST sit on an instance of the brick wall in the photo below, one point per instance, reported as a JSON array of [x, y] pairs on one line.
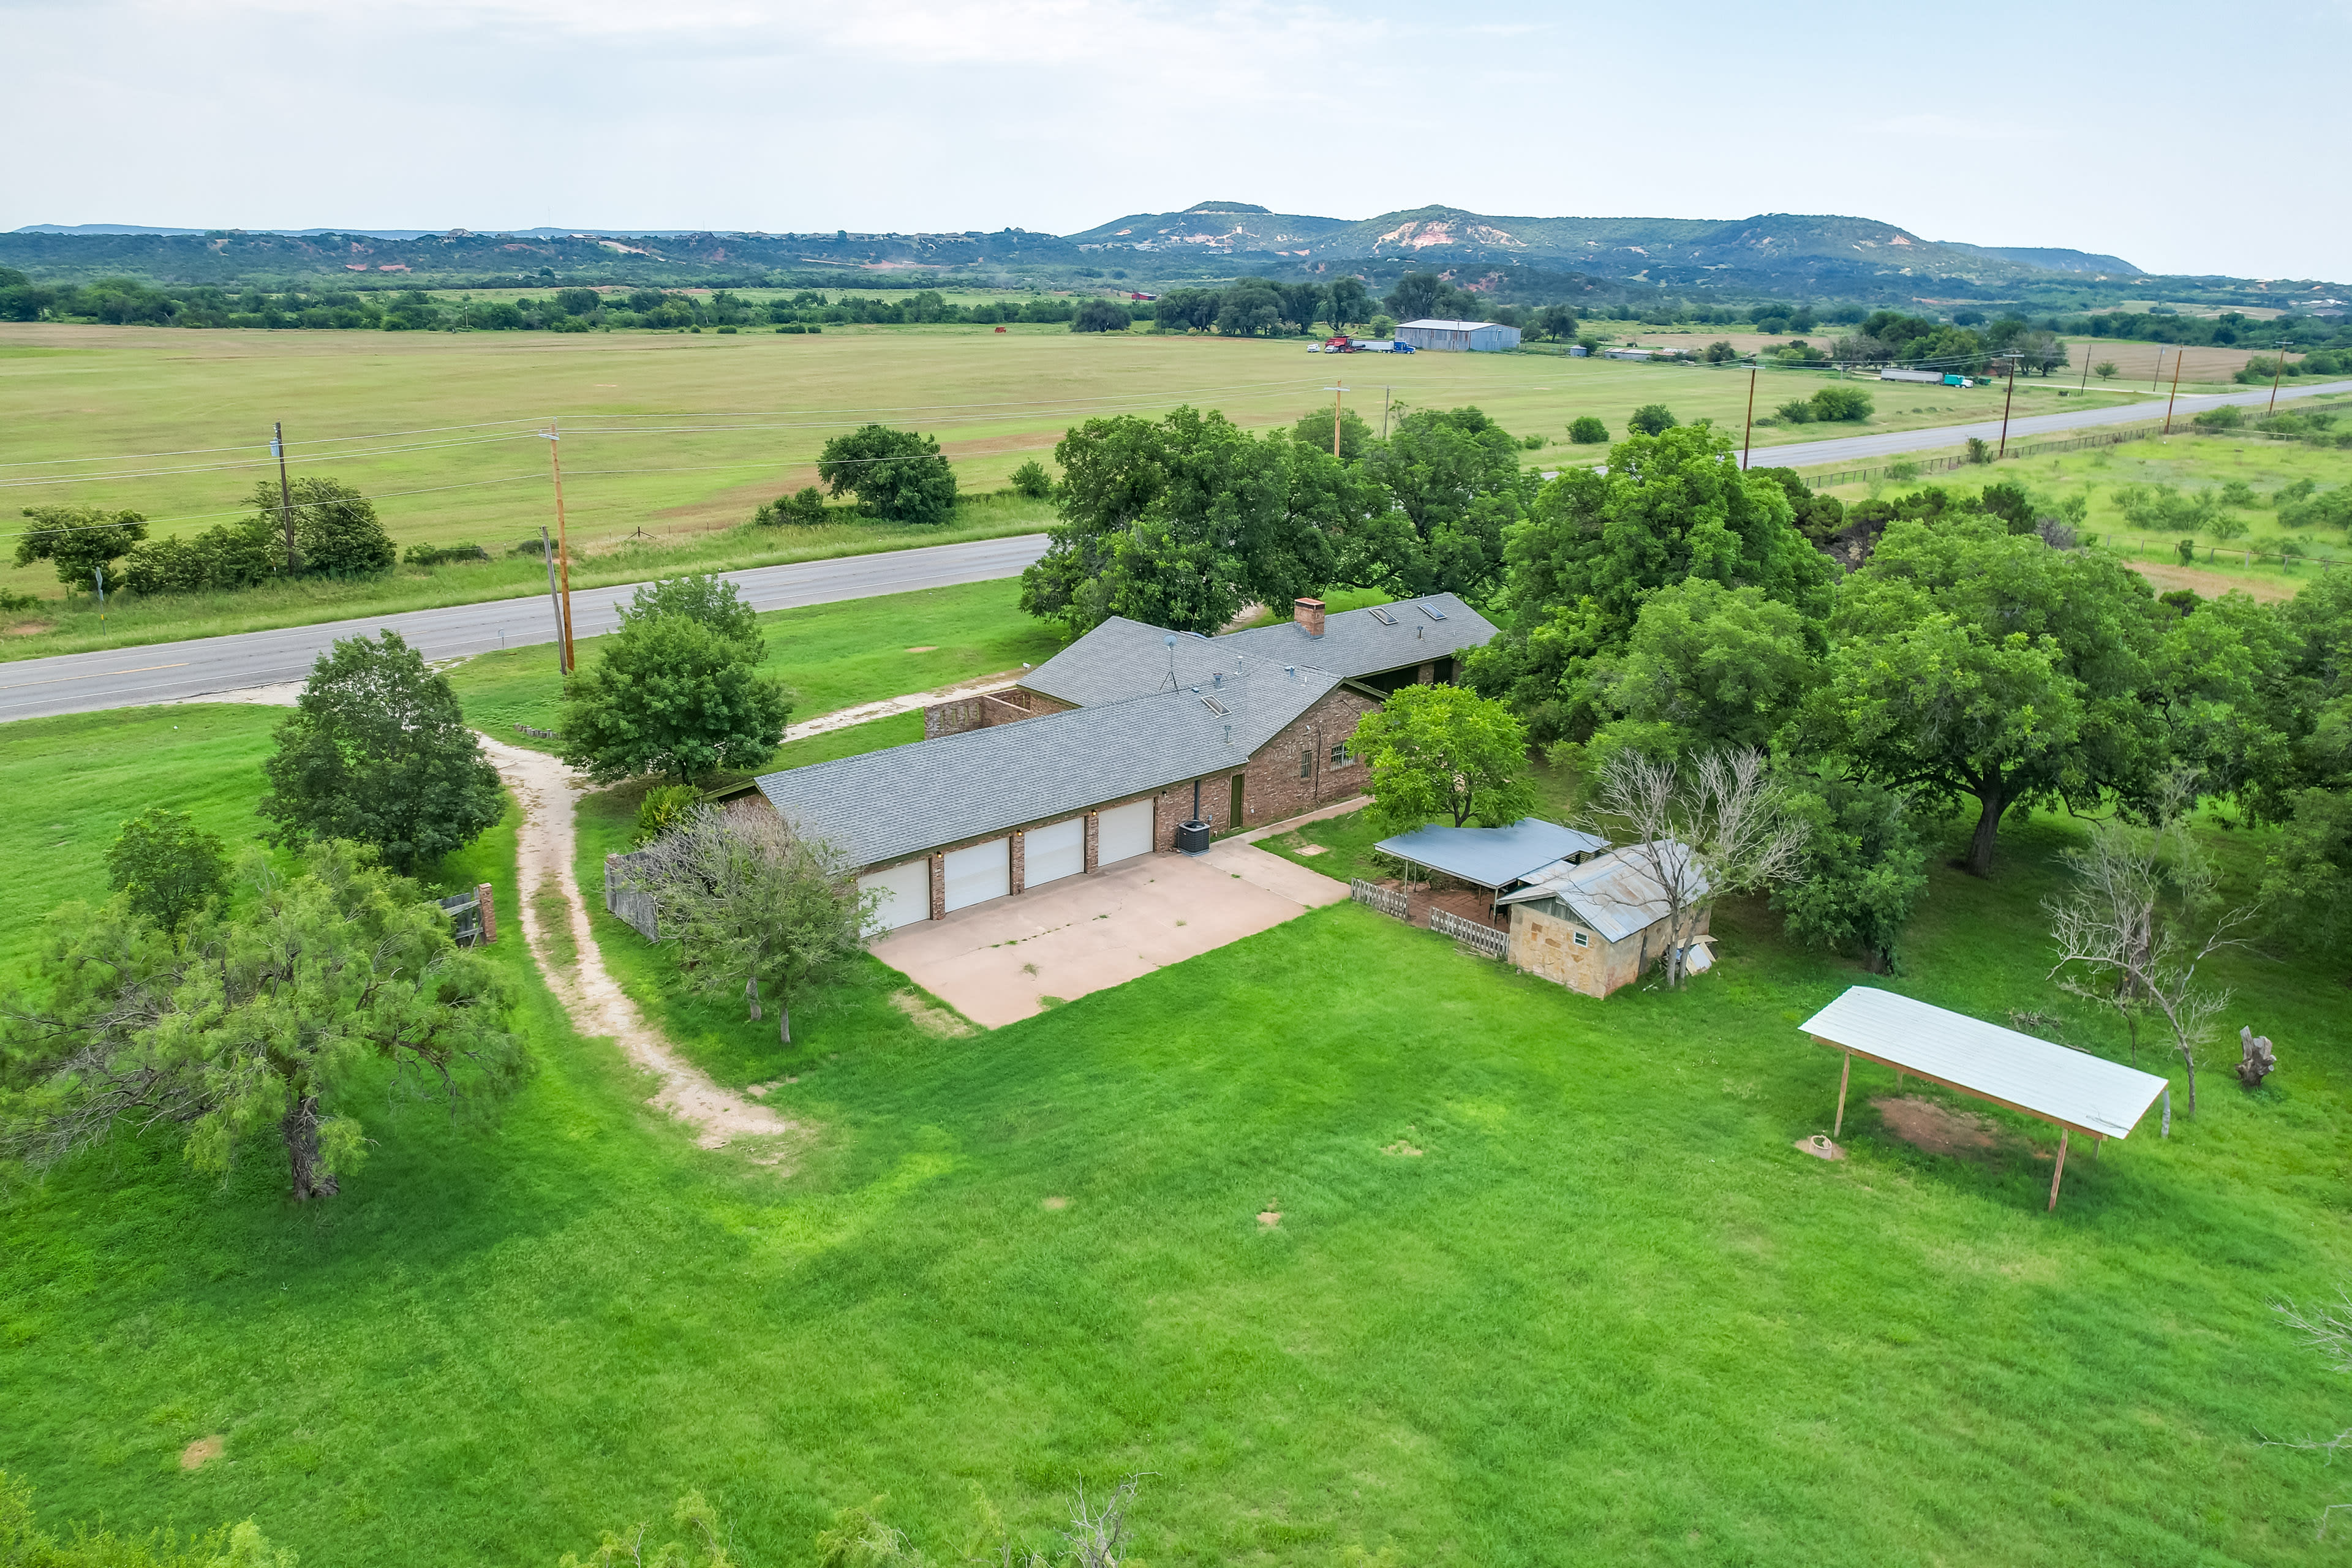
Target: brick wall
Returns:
[[1272, 787], [986, 709]]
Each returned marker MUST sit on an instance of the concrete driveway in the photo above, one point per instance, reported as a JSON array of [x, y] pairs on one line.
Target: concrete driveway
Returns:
[[996, 963]]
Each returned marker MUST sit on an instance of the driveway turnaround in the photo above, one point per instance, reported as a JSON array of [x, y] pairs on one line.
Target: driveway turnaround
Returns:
[[1002, 961], [171, 672]]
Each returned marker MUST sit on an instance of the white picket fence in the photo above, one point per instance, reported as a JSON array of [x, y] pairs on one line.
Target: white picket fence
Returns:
[[1471, 935], [1388, 901]]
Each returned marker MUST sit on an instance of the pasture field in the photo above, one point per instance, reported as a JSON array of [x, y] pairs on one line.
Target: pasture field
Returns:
[[2190, 461], [1549, 1280], [674, 437]]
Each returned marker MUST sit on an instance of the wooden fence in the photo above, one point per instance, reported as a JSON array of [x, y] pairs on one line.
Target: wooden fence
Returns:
[[634, 906], [1388, 901], [1471, 935], [473, 917]]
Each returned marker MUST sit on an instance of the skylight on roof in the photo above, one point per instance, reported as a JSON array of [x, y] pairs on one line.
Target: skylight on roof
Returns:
[[1432, 611], [1213, 706], [1382, 616]]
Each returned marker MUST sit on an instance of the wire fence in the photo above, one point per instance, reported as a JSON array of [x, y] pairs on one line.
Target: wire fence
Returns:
[[1911, 468]]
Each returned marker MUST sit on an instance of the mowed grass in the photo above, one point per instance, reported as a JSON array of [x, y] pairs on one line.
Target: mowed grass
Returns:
[[674, 436], [1604, 1313], [832, 656]]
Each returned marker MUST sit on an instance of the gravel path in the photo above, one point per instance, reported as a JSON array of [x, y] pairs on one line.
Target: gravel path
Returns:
[[592, 998]]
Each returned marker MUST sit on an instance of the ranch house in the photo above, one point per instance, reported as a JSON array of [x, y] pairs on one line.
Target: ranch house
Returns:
[[1097, 755]]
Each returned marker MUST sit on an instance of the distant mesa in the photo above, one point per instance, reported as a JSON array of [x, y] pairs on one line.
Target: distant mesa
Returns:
[[1228, 207]]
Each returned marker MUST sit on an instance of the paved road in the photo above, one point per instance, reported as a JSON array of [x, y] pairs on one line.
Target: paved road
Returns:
[[1858, 450], [164, 673]]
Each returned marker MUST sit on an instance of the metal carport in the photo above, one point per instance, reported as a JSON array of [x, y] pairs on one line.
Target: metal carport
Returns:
[[2074, 1091]]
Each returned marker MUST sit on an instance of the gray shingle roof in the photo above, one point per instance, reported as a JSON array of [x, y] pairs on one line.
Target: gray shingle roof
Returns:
[[1122, 658], [884, 807]]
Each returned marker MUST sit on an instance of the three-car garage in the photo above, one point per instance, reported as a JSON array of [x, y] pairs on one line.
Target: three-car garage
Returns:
[[978, 872]]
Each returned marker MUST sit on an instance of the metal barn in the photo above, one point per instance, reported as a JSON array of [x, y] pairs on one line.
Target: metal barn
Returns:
[[1459, 337]]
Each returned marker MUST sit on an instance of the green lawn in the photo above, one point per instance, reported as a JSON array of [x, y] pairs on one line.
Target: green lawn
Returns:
[[1606, 1314], [832, 656]]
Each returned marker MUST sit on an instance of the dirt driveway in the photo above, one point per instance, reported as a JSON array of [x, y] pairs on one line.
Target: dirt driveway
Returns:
[[997, 962]]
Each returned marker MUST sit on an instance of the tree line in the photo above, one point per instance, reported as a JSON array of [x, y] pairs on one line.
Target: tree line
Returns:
[[1269, 307]]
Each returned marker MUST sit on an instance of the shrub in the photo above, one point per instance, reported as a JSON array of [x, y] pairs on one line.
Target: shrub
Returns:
[[336, 532], [663, 808], [1903, 472], [442, 554], [2223, 418], [2187, 550], [2105, 370], [1534, 443], [2237, 492], [1032, 481], [1588, 431], [2226, 525], [804, 508], [1651, 419], [1980, 450], [1721, 352], [222, 558], [1841, 403], [1796, 411]]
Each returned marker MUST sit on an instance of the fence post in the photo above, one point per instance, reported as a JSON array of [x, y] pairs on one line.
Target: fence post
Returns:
[[485, 903]]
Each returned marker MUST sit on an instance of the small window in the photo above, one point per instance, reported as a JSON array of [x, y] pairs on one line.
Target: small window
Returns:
[[1306, 762], [1340, 755], [1584, 941]]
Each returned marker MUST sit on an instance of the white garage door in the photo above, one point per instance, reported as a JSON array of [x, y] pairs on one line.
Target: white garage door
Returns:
[[905, 895], [982, 872], [1050, 853], [1126, 832]]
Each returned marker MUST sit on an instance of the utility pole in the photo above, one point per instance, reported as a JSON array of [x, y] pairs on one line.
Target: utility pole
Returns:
[[1384, 412], [2158, 379], [1748, 443], [2005, 404], [2168, 402], [2278, 369], [285, 493], [2086, 368], [554, 439], [1337, 394], [102, 595], [547, 554]]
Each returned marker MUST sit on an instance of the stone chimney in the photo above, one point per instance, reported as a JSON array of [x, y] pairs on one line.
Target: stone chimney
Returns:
[[1309, 614]]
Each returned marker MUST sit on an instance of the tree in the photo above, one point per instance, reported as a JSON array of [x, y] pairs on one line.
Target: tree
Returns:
[[1556, 322], [1841, 403], [805, 507], [1455, 487], [336, 532], [23, 1545], [1967, 661], [744, 897], [669, 695], [1179, 522], [1100, 316], [1864, 870], [1587, 431], [1032, 481], [896, 475], [262, 1017], [2144, 912], [2105, 370], [1313, 431], [705, 597], [1708, 668], [1717, 828], [1599, 543], [166, 865], [1442, 751], [1253, 306], [78, 539], [1651, 419], [1419, 296], [377, 752], [1347, 303]]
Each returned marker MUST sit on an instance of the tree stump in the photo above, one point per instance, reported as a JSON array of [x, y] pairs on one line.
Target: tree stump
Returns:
[[2256, 1063]]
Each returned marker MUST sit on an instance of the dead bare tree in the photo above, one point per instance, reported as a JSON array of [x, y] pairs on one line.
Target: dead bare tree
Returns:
[[1720, 827], [744, 896], [2328, 1330], [2145, 911]]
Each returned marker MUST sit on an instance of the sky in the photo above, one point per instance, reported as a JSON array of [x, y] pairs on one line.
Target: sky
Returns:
[[2182, 139]]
